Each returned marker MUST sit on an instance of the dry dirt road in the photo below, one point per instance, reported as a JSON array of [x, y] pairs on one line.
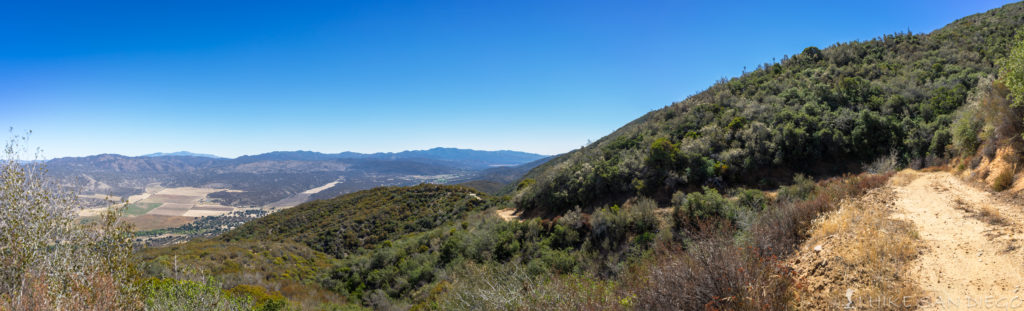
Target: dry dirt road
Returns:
[[972, 258]]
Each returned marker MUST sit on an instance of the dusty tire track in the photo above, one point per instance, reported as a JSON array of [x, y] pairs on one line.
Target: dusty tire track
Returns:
[[967, 259]]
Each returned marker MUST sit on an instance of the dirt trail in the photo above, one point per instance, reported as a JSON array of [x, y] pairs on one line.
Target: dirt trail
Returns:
[[507, 214], [972, 256]]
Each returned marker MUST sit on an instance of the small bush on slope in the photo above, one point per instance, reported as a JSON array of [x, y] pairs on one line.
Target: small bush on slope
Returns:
[[1004, 180], [184, 295]]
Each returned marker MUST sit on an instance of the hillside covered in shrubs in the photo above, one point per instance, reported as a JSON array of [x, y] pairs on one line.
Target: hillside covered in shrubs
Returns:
[[820, 112]]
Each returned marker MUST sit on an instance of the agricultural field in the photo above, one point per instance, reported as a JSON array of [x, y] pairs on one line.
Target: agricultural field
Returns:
[[174, 208], [139, 208], [160, 207]]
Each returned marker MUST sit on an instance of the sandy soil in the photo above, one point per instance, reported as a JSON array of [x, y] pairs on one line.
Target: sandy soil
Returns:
[[321, 188], [201, 213], [139, 197], [507, 214], [171, 198], [171, 209], [300, 197], [968, 259]]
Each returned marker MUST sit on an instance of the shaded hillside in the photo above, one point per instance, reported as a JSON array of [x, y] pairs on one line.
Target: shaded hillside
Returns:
[[822, 112], [362, 219]]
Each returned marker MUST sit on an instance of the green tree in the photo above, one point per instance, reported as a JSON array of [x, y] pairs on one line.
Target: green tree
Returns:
[[1012, 72]]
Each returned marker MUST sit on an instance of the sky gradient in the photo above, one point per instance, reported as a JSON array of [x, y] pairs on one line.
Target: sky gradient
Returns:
[[236, 78]]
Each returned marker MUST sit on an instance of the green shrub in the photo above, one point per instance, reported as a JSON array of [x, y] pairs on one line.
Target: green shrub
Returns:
[[608, 227], [1011, 72], [1004, 180], [640, 216], [751, 199], [184, 295], [699, 207], [940, 140], [801, 189], [965, 133], [512, 287], [525, 183], [261, 299]]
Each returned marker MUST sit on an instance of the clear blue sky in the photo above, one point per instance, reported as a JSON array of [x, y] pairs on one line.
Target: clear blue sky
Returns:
[[234, 78]]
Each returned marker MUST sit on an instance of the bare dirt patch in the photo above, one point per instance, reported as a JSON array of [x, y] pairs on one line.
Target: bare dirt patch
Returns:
[[219, 208], [507, 214], [300, 197], [971, 241], [171, 198], [321, 188], [153, 222], [171, 209], [201, 213], [927, 241]]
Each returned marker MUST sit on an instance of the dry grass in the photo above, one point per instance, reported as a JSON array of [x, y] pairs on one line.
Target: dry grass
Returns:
[[986, 213], [862, 251], [153, 222], [904, 177], [713, 274], [992, 216], [779, 230], [1004, 180], [960, 204]]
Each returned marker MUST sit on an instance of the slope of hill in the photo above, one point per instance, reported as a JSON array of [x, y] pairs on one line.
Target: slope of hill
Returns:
[[362, 219], [822, 112], [294, 251]]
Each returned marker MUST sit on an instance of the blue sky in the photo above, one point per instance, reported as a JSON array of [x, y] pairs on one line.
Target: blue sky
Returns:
[[247, 77]]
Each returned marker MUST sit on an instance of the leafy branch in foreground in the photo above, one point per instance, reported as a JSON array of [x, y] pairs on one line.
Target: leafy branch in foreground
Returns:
[[49, 260]]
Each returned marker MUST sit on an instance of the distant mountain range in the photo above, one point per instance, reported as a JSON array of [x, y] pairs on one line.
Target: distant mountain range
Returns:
[[181, 154], [458, 157], [271, 177]]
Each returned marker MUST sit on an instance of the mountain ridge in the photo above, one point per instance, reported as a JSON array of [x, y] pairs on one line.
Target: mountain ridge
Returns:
[[486, 158], [274, 176], [181, 154]]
